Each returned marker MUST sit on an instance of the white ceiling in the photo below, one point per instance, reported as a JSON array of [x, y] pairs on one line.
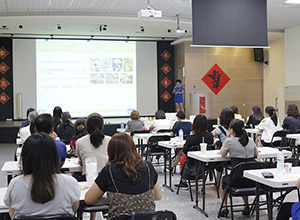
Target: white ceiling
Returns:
[[82, 18]]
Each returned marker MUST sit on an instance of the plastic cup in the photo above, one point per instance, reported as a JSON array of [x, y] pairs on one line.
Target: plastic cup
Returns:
[[288, 167], [91, 169], [203, 147]]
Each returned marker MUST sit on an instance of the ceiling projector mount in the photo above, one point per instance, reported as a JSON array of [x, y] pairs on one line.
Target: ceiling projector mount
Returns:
[[178, 29], [149, 12]]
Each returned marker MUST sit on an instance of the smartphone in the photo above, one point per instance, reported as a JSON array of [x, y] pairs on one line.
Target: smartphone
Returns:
[[267, 175]]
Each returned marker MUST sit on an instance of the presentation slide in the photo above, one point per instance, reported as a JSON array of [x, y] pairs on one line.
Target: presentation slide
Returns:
[[86, 76]]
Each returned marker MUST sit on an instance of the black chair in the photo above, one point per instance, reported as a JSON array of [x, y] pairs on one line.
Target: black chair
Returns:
[[283, 143], [139, 132], [236, 175], [189, 172], [152, 147], [53, 217], [158, 215], [295, 148], [164, 131], [91, 208]]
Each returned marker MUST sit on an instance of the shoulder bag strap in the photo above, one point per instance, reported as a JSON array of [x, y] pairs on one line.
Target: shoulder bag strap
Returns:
[[222, 130], [148, 175], [111, 176]]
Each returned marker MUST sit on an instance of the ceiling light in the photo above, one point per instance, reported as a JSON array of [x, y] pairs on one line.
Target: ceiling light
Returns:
[[142, 28], [292, 2], [20, 26], [58, 27]]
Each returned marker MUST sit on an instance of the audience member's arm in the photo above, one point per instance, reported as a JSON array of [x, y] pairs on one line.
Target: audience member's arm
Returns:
[[298, 183], [172, 134], [223, 151], [93, 194], [214, 132], [61, 164], [75, 207], [11, 212], [255, 152], [157, 191], [151, 127], [126, 128], [80, 161]]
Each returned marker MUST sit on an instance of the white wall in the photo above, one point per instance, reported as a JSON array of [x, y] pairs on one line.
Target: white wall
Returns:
[[24, 76], [292, 56], [274, 73]]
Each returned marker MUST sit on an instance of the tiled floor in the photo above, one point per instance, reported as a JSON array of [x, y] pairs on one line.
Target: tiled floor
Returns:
[[180, 204]]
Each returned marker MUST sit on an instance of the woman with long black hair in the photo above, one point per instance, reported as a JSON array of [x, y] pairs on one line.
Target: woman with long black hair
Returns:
[[41, 190], [269, 125], [241, 148], [256, 117]]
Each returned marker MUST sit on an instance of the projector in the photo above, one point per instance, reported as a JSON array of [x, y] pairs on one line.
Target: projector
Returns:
[[150, 13]]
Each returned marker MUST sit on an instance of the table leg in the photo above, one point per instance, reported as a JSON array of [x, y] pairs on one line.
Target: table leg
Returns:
[[170, 172], [257, 200], [196, 206], [9, 178], [165, 166], [270, 201]]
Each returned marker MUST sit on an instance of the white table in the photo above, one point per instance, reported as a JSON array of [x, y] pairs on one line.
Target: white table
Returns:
[[214, 156], [168, 146], [19, 150], [278, 182], [11, 168], [293, 136], [3, 207]]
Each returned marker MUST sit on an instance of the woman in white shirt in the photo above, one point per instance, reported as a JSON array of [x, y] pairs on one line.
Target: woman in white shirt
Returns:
[[160, 122], [41, 190], [269, 125]]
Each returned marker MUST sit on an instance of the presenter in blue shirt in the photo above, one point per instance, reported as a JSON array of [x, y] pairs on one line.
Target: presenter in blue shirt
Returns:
[[178, 91]]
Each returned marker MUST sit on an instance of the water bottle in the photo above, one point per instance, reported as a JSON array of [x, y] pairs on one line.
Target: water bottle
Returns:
[[181, 136], [122, 125], [280, 162]]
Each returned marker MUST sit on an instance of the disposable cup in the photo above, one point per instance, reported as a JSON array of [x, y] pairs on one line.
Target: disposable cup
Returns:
[[203, 147]]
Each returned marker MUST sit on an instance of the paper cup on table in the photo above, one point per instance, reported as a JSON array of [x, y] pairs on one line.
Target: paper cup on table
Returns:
[[288, 167], [203, 147], [91, 170]]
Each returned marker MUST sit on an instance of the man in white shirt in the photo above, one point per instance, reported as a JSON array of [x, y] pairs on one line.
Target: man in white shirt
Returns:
[[25, 132]]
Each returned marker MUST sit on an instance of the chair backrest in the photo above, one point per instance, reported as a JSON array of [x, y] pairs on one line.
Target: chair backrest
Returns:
[[153, 140], [164, 131], [282, 134], [53, 217], [139, 132], [158, 215], [238, 170]]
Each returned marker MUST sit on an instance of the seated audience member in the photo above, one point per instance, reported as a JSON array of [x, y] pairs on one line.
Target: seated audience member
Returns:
[[25, 131], [93, 144], [292, 121], [66, 129], [256, 117], [160, 121], [241, 148], [135, 124], [182, 123], [269, 125], [44, 123], [80, 131], [57, 111], [41, 190], [201, 135], [236, 112], [226, 117], [131, 183], [26, 122]]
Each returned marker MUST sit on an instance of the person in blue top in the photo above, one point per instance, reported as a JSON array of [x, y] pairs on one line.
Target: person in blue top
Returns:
[[178, 91]]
